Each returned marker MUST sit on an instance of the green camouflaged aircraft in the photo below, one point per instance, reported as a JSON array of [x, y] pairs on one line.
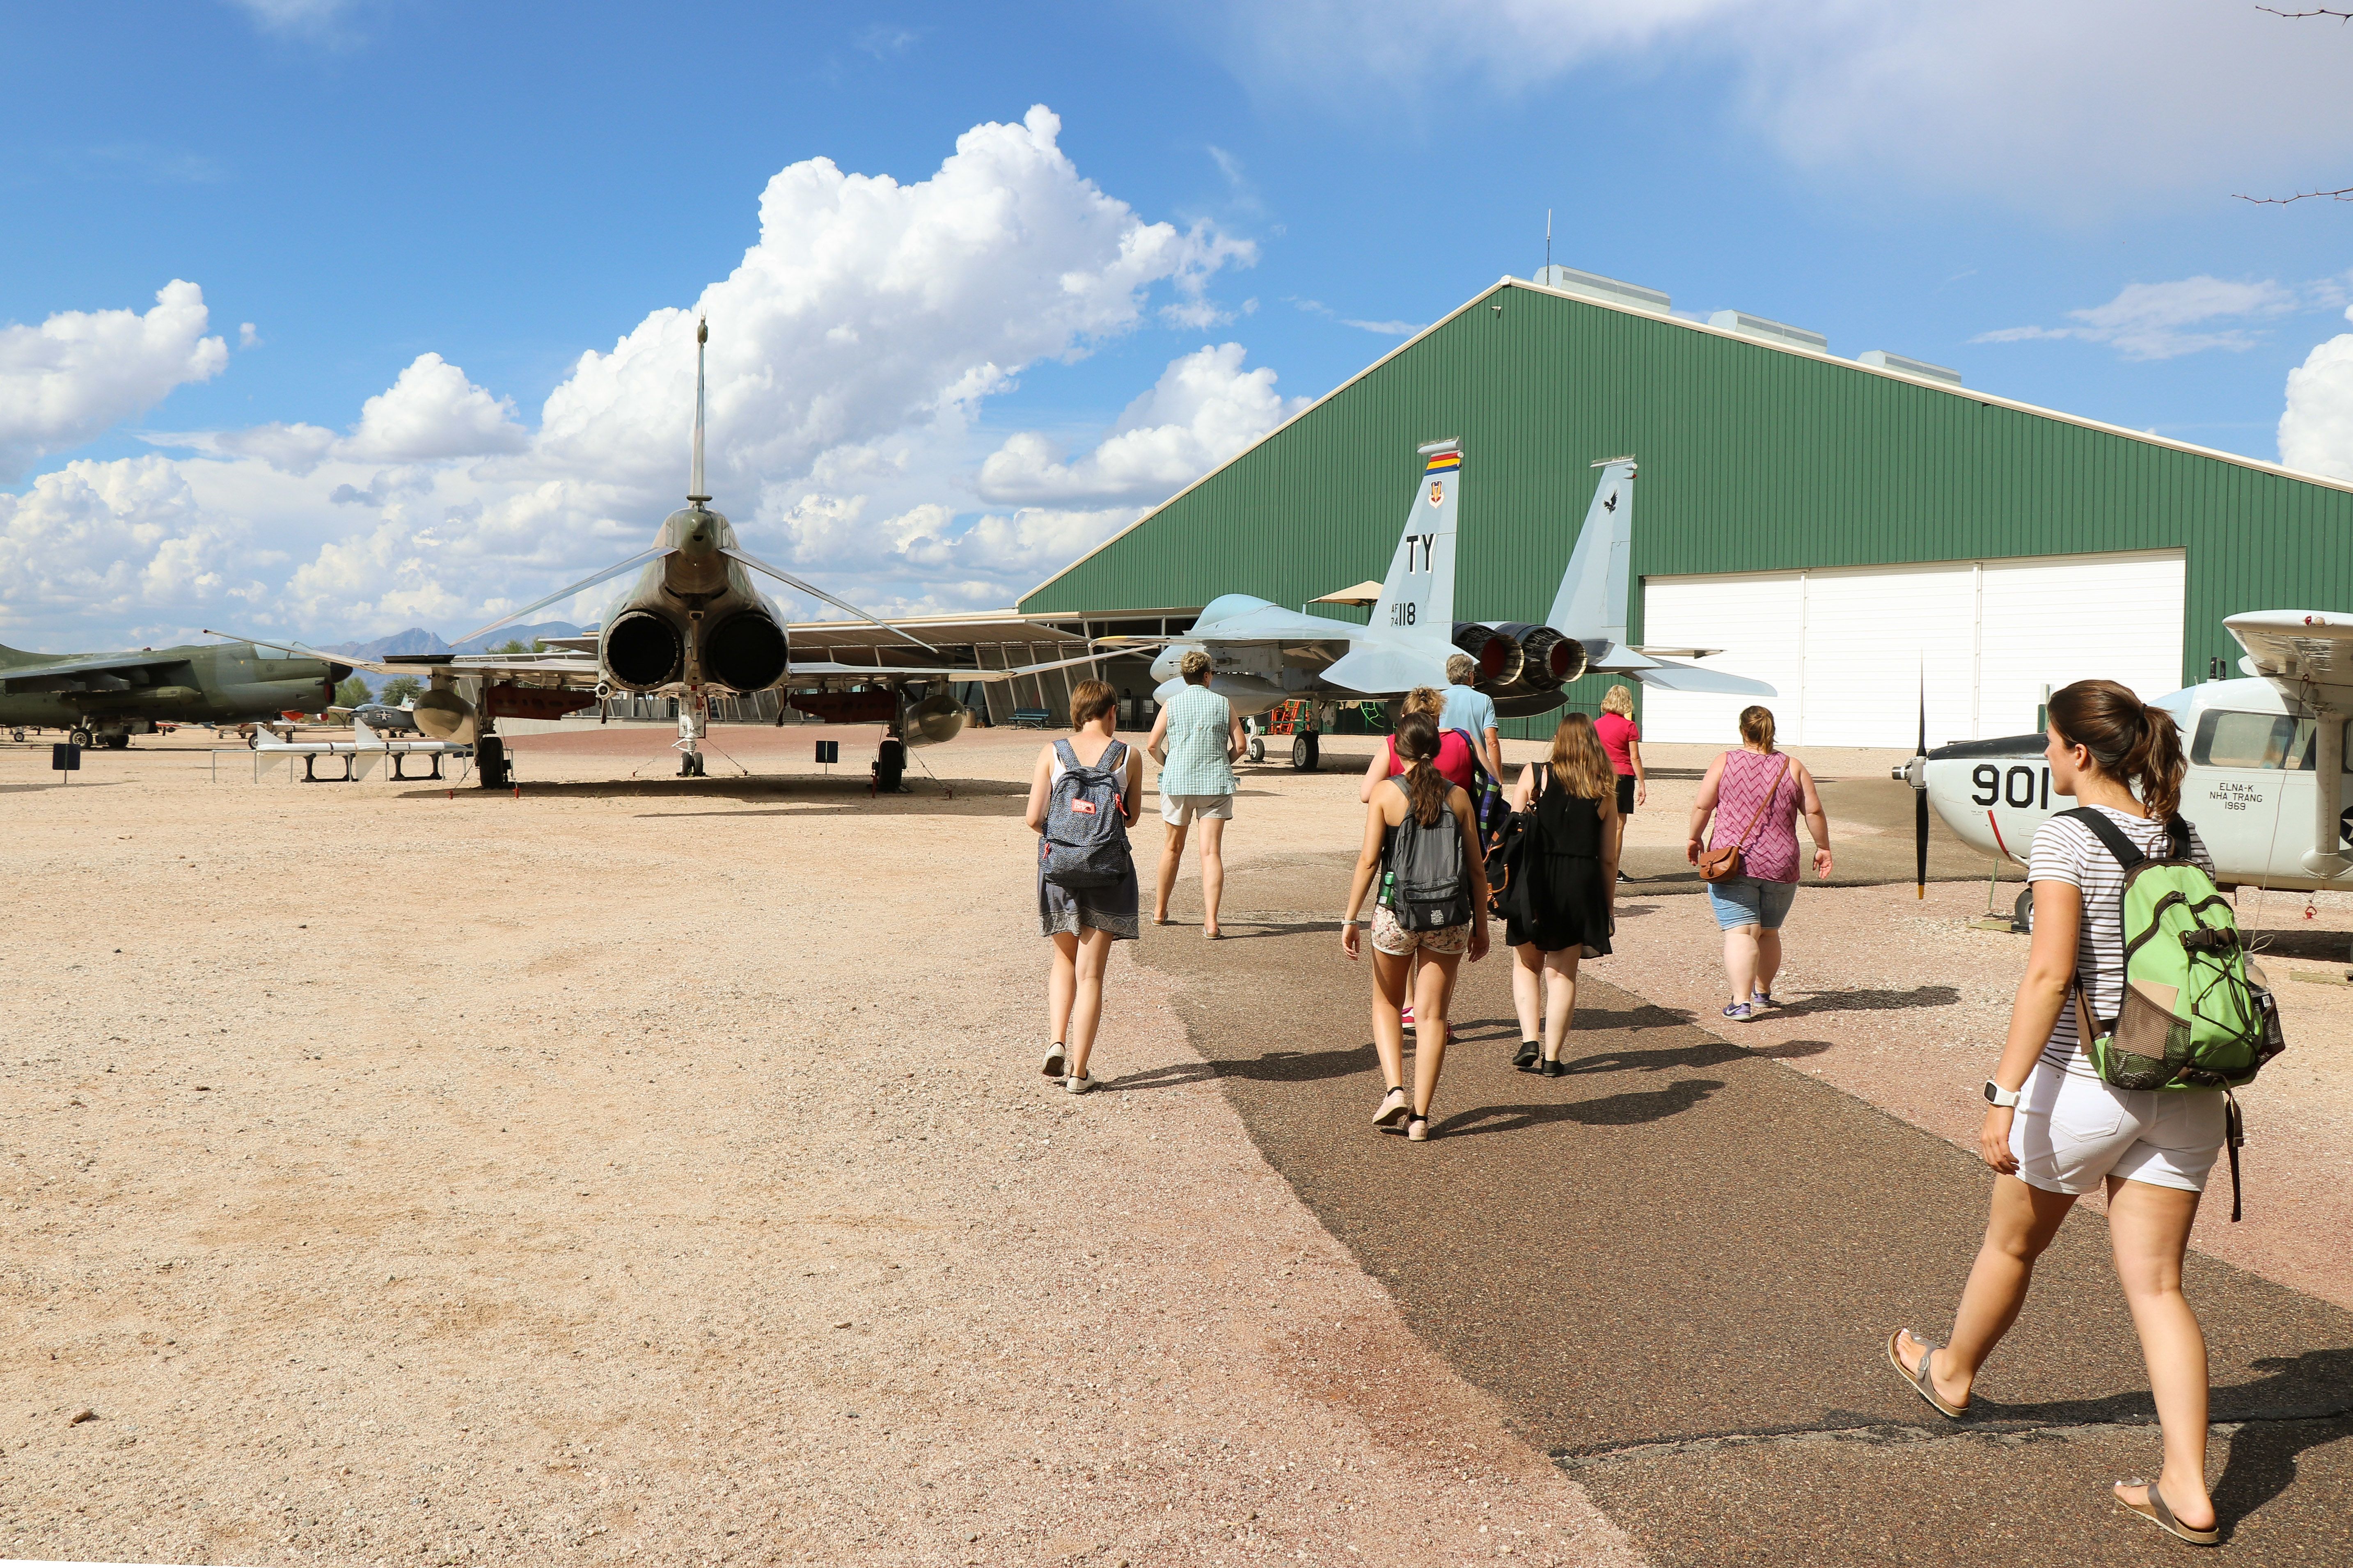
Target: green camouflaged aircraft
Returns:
[[104, 699]]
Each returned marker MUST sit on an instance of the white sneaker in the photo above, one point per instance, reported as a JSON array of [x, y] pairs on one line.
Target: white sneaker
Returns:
[[1058, 1062], [1079, 1083]]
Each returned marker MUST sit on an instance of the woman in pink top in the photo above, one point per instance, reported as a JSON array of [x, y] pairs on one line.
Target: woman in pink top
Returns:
[[1455, 760], [1755, 794], [1622, 739]]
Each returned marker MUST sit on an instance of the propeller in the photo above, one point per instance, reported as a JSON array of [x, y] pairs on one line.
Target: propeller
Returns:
[[1920, 795], [814, 591]]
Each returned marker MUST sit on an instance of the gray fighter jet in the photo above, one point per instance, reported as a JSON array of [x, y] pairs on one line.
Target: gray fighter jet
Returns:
[[104, 699]]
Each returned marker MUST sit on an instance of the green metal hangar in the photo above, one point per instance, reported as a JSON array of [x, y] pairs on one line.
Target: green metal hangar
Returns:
[[1838, 528]]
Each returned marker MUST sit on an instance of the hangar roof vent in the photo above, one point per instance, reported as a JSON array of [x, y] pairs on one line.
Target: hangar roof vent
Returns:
[[1880, 359], [1569, 281], [1777, 332]]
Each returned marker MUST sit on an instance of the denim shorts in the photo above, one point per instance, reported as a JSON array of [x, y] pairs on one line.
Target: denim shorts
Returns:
[[1745, 901]]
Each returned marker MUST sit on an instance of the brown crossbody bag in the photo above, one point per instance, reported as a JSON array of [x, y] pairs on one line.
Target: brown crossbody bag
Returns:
[[1720, 864]]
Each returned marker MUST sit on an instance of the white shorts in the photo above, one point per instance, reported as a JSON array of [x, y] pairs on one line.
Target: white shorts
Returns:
[[2070, 1133], [1180, 810]]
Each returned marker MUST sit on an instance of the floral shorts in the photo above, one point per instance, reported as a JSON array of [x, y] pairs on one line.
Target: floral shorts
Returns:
[[1393, 938]]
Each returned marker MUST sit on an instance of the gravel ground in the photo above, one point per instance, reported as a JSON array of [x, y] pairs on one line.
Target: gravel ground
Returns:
[[628, 1173]]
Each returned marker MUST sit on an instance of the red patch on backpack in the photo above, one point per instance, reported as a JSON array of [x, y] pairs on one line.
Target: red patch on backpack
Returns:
[[1086, 806]]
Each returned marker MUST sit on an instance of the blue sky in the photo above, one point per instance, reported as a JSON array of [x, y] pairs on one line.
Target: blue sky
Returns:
[[510, 188]]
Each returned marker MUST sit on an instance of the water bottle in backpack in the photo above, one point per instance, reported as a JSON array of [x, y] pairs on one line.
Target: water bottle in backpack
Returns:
[[1427, 886]]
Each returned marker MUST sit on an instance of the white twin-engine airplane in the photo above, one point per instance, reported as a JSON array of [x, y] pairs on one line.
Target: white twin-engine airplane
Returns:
[[693, 627], [1263, 655], [2266, 781]]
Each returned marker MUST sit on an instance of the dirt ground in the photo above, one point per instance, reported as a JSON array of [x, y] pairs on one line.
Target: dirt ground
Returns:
[[654, 1172], [659, 1171]]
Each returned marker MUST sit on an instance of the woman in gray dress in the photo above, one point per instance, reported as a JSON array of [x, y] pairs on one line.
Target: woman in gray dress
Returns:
[[1083, 923]]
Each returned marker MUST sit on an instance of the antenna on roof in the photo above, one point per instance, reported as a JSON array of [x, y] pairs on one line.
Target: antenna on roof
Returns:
[[1548, 239], [694, 482]]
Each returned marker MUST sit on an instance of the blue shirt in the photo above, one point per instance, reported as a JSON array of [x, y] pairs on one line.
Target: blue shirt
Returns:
[[1470, 709]]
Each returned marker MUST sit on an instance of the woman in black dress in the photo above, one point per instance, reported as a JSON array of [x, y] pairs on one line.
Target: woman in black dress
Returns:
[[1568, 808]]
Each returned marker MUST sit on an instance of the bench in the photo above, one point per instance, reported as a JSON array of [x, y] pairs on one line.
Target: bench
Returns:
[[1031, 718]]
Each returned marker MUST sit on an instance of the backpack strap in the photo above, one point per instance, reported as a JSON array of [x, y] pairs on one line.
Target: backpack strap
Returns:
[[1070, 757], [2128, 854]]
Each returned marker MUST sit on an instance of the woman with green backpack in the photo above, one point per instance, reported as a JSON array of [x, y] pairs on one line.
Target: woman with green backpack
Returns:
[[2060, 1125]]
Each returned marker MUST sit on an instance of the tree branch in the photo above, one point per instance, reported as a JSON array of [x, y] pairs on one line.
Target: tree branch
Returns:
[[2300, 15], [2344, 195]]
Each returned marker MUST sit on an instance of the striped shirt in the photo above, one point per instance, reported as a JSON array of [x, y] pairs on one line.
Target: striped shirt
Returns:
[[2071, 853]]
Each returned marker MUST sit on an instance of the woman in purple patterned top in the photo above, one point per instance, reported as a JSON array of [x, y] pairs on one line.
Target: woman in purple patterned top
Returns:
[[1755, 794]]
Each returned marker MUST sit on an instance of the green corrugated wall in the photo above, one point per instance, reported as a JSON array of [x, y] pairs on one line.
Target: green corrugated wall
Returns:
[[1752, 459]]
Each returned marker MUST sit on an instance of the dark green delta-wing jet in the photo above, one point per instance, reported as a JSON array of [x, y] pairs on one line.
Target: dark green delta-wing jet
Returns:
[[107, 698]]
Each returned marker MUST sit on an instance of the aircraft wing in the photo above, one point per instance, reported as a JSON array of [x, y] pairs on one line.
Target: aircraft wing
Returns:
[[2305, 654], [1668, 674], [1383, 670], [69, 674], [572, 668], [872, 674]]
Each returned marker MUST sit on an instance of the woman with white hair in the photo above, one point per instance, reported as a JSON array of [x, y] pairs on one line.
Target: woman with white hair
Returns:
[[1195, 739]]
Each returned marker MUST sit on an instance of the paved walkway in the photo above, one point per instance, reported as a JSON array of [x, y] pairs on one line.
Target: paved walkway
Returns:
[[1676, 1267]]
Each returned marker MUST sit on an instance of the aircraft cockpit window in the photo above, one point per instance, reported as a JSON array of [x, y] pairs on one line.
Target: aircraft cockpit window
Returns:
[[2258, 741]]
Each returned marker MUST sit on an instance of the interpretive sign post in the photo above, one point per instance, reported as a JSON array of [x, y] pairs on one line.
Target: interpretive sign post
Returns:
[[65, 758]]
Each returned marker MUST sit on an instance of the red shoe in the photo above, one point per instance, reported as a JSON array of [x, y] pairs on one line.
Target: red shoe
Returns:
[[1405, 1014]]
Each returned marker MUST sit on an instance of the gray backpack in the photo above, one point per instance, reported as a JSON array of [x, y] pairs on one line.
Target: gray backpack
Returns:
[[1425, 887], [1085, 841]]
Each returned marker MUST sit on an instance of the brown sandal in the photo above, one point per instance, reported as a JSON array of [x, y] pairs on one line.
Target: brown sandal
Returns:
[[1921, 1383], [2157, 1514]]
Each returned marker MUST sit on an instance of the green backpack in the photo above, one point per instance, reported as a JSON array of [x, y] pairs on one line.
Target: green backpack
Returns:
[[2197, 1012]]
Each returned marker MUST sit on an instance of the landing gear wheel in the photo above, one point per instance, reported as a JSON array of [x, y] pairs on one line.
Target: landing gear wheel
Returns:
[[690, 765], [79, 736], [118, 740], [2021, 914], [891, 766], [1303, 754], [1257, 752]]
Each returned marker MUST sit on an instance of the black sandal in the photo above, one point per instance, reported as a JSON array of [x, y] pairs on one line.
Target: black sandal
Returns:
[[1526, 1060]]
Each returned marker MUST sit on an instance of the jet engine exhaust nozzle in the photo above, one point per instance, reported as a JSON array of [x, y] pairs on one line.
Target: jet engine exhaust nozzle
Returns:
[[1499, 657], [747, 651], [643, 650], [1554, 660]]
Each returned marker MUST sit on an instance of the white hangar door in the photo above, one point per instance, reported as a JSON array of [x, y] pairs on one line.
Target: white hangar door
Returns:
[[1847, 650]]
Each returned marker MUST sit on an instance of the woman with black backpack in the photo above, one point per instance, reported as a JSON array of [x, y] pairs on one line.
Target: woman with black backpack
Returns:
[[1560, 909], [1085, 795], [2055, 1128], [1423, 845]]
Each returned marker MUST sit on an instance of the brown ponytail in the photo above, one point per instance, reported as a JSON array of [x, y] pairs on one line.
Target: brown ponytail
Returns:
[[2135, 744], [1425, 787]]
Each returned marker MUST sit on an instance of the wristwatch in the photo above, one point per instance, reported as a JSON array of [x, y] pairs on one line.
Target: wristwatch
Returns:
[[1997, 1095]]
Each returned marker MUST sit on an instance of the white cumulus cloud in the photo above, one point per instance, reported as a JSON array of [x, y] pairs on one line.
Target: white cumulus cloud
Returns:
[[80, 373], [433, 411], [852, 350], [1204, 408], [2315, 431]]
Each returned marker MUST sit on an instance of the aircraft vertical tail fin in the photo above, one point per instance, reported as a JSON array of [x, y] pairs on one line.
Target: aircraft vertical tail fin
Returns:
[[1417, 600], [362, 733], [1591, 604]]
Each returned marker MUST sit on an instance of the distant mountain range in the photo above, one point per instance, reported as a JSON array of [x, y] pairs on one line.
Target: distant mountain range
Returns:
[[417, 639]]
